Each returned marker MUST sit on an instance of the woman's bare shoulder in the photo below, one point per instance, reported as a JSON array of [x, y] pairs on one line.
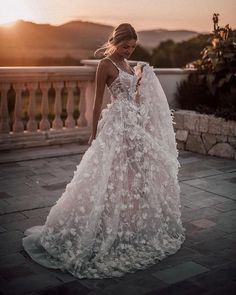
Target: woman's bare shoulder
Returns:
[[104, 62], [105, 65]]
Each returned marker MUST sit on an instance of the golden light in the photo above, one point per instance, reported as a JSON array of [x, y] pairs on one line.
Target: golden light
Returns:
[[13, 10]]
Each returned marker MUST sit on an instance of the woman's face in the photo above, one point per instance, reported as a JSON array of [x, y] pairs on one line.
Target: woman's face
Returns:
[[126, 48]]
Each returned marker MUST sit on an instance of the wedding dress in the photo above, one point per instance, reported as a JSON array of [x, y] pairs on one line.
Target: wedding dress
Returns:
[[121, 211]]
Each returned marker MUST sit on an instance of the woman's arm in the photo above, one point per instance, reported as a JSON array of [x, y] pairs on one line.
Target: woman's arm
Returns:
[[100, 83]]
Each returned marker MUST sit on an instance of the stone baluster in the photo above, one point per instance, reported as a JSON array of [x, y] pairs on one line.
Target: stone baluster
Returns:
[[57, 122], [44, 123], [32, 125], [4, 115], [81, 122], [18, 125], [89, 100], [70, 122]]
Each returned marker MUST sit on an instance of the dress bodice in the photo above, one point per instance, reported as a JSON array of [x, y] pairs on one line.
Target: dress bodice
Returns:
[[124, 86]]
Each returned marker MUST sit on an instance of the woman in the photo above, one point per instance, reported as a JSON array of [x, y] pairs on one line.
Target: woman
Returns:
[[121, 210]]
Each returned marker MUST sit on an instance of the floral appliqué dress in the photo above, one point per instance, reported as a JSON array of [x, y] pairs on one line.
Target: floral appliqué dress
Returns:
[[121, 211]]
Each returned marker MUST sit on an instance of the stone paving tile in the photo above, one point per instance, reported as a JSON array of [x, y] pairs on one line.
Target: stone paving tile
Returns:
[[219, 163], [12, 259], [203, 234], [8, 218], [215, 245], [191, 205], [140, 285], [193, 214], [219, 278], [11, 235], [6, 184], [181, 288], [205, 199], [2, 230], [8, 247], [97, 284], [12, 273], [184, 254], [43, 178], [22, 225], [30, 283], [226, 206], [218, 184], [208, 212], [56, 186], [212, 260], [70, 288], [187, 189], [4, 195], [191, 173], [231, 236], [226, 221], [180, 272], [23, 205], [64, 277], [4, 208], [36, 212], [99, 292], [203, 223]]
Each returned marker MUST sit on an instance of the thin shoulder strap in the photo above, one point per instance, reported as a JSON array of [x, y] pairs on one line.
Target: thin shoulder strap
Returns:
[[113, 63], [132, 70]]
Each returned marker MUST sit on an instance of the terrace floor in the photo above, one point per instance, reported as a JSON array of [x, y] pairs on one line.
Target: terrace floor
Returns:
[[32, 180]]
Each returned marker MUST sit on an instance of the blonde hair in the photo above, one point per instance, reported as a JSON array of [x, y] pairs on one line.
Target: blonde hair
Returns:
[[121, 33]]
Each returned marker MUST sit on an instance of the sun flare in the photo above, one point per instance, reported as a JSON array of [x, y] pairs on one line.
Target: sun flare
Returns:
[[13, 10]]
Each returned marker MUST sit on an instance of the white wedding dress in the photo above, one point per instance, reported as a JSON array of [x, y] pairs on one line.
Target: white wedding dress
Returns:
[[121, 211]]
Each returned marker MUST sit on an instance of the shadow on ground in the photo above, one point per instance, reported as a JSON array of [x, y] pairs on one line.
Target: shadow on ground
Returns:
[[206, 263]]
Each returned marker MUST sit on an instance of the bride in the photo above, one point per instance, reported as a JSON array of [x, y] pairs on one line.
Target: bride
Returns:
[[121, 210]]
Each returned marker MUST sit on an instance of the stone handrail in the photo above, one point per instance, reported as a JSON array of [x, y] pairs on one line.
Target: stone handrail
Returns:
[[44, 79], [21, 78], [36, 126]]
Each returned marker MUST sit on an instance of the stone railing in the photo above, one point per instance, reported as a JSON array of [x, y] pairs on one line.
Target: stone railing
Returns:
[[53, 105], [25, 123], [205, 134]]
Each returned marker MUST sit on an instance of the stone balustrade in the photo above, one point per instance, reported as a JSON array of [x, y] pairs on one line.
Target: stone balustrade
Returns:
[[53, 105], [205, 134], [22, 124]]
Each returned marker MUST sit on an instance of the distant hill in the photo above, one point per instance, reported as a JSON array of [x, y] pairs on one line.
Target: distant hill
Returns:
[[26, 42], [152, 38]]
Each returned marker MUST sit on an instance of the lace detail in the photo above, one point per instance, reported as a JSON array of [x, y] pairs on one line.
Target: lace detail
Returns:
[[121, 210]]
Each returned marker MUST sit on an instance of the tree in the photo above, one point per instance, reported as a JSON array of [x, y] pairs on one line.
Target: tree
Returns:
[[140, 53], [214, 81]]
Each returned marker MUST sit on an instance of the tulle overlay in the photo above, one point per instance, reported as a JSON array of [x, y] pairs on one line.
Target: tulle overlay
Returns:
[[121, 210]]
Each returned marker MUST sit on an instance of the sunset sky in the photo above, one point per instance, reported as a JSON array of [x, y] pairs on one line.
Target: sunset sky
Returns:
[[142, 14]]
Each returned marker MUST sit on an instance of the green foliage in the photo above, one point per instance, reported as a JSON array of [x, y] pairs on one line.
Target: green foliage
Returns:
[[218, 60], [212, 87], [171, 55], [162, 56], [140, 53]]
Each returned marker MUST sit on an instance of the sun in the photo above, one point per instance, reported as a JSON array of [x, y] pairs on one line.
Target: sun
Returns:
[[13, 10]]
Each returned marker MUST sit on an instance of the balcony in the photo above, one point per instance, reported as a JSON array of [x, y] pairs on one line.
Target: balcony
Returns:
[[48, 125], [43, 106]]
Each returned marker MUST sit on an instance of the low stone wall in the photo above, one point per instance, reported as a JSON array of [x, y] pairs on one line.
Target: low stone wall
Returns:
[[205, 134]]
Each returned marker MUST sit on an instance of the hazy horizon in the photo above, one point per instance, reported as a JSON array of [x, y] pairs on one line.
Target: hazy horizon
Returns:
[[142, 14], [96, 23]]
